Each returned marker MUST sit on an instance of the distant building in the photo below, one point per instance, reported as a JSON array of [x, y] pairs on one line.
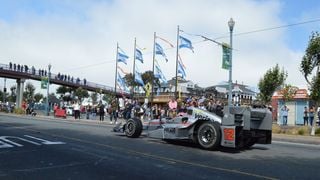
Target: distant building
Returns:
[[162, 94], [184, 86], [165, 91], [241, 94], [296, 107]]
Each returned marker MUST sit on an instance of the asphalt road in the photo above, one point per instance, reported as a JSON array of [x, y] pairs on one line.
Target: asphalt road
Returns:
[[55, 149]]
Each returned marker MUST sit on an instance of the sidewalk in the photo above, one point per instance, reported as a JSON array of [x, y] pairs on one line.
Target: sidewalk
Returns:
[[296, 138], [69, 119]]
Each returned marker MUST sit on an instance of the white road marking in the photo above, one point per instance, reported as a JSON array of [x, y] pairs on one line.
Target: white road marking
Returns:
[[5, 145], [8, 141], [46, 142]]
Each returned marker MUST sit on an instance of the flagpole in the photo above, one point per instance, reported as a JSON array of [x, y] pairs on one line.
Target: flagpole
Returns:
[[134, 66], [177, 56], [116, 75], [153, 59]]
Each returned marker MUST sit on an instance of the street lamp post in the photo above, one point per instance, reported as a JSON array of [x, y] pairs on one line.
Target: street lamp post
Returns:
[[231, 25], [4, 90], [48, 83]]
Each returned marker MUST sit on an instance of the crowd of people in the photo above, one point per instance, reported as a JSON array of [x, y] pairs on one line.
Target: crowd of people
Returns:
[[170, 109], [68, 78], [308, 115], [44, 73], [19, 67]]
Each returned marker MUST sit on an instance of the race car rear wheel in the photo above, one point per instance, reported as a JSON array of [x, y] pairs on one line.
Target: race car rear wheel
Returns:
[[133, 128], [209, 135]]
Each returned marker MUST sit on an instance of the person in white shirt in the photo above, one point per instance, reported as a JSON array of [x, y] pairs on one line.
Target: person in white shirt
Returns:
[[285, 111], [76, 109]]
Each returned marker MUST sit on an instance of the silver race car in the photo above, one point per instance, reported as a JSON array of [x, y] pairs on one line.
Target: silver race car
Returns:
[[241, 127]]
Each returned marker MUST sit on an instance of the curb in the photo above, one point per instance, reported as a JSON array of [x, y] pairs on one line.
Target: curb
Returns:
[[68, 120], [315, 140]]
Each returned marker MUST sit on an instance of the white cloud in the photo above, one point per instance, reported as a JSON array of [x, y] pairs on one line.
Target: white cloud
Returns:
[[68, 41]]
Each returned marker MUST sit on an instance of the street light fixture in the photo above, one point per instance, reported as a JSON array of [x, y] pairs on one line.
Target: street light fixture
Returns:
[[231, 25], [48, 83]]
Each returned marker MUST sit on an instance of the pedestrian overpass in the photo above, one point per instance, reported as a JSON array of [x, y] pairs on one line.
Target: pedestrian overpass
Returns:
[[22, 74]]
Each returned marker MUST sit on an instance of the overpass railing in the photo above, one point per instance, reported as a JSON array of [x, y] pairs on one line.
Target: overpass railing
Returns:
[[27, 72]]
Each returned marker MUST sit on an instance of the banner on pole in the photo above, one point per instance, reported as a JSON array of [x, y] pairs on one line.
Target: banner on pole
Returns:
[[226, 56], [44, 82]]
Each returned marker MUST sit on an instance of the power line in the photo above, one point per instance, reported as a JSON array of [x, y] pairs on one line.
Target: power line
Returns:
[[205, 39], [88, 66], [271, 28]]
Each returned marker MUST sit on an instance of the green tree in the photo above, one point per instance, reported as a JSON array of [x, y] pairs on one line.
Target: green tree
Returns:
[[147, 77], [81, 93], [1, 95], [62, 90], [94, 97], [270, 82], [130, 81], [13, 96], [310, 63], [38, 97], [289, 92], [108, 97], [29, 92]]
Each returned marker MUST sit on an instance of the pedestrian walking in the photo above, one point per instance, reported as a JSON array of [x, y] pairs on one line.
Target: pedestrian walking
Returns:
[[88, 111], [311, 115], [76, 108], [113, 111], [94, 112], [101, 111], [305, 116], [285, 112]]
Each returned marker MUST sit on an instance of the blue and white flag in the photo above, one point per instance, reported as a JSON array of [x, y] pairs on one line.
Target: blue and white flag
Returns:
[[185, 43], [138, 78], [122, 82], [139, 55], [159, 51], [122, 57], [158, 74], [181, 70]]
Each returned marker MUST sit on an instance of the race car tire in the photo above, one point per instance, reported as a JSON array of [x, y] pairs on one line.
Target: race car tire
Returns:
[[209, 135], [133, 128]]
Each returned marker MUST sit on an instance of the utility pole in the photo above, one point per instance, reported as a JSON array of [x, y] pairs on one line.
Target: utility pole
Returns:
[[48, 84], [4, 90]]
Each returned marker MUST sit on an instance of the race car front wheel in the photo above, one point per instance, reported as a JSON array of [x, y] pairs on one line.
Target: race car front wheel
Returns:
[[133, 128], [209, 135]]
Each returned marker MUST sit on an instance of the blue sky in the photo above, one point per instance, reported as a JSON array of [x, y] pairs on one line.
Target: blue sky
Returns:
[[80, 33], [294, 11]]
